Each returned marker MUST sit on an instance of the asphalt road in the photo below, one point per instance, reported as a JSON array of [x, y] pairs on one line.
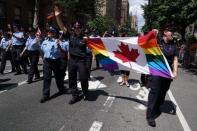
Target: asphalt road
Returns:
[[110, 107]]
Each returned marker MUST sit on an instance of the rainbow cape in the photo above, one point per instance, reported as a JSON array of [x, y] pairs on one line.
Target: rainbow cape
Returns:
[[141, 54]]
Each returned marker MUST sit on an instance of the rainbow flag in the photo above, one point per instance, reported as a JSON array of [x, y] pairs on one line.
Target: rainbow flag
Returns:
[[141, 54]]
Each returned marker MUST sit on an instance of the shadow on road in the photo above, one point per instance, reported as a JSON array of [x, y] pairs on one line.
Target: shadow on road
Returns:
[[94, 94], [4, 80], [8, 86], [132, 99]]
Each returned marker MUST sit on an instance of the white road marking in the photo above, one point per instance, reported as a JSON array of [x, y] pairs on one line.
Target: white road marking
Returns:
[[62, 128], [108, 103], [22, 83], [179, 113], [96, 126], [143, 96], [140, 107], [3, 91]]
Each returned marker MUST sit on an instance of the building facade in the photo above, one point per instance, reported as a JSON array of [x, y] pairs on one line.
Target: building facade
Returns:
[[16, 11], [117, 10], [124, 11], [134, 22]]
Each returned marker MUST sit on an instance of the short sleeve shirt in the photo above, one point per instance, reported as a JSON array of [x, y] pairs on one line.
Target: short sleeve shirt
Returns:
[[169, 50]]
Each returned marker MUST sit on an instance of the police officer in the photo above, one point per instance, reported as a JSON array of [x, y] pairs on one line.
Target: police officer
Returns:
[[51, 51], [5, 45], [17, 48], [159, 85], [32, 47], [77, 59]]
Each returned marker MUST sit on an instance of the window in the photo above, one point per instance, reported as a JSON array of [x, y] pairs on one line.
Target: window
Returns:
[[2, 11], [17, 13], [30, 18]]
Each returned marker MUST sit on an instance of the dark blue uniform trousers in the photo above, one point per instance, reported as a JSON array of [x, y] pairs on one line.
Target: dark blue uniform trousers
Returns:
[[16, 50], [158, 89], [6, 55], [78, 66], [50, 66], [34, 58]]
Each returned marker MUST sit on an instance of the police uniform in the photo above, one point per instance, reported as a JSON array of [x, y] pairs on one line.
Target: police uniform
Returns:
[[33, 46], [77, 64], [64, 56], [17, 48], [160, 85], [89, 61], [6, 54], [52, 62]]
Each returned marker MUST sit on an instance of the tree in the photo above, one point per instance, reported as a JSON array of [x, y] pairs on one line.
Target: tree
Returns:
[[126, 28], [176, 13], [78, 8], [102, 23]]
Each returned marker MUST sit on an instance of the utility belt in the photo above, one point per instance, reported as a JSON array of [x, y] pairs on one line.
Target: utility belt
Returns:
[[77, 57], [18, 46], [52, 60], [36, 52]]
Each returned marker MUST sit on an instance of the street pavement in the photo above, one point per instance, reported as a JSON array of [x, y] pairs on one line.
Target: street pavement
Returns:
[[110, 108]]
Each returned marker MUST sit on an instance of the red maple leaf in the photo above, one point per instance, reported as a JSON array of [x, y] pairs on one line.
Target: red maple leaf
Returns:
[[125, 54]]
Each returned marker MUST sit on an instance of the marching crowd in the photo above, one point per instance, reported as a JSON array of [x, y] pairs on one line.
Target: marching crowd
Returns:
[[67, 47]]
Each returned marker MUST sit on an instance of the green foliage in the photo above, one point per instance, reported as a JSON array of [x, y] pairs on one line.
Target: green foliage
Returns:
[[176, 13], [102, 23], [78, 8], [126, 28]]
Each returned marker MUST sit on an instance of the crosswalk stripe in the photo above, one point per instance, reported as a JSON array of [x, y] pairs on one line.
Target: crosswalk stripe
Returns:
[[96, 126]]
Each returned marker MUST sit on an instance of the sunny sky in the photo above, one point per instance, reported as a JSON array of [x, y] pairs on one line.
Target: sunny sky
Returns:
[[135, 8]]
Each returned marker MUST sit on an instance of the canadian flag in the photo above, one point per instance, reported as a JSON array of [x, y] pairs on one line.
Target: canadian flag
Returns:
[[141, 54]]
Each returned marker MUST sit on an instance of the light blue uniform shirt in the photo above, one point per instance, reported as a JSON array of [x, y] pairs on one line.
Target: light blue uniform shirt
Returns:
[[5, 43], [64, 45], [50, 49], [32, 44], [16, 41]]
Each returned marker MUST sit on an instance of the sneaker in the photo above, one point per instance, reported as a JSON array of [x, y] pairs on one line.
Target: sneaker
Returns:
[[151, 122], [85, 97], [37, 77], [127, 84], [74, 100], [29, 81], [121, 84], [44, 99], [17, 73]]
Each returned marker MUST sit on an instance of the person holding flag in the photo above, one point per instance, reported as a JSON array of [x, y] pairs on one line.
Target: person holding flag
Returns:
[[77, 58], [159, 85]]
